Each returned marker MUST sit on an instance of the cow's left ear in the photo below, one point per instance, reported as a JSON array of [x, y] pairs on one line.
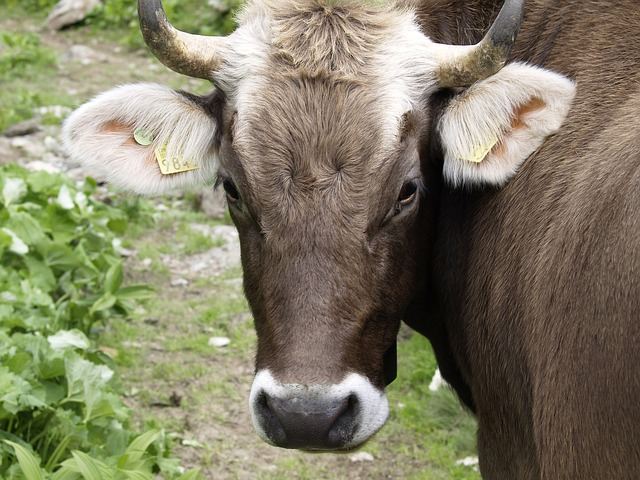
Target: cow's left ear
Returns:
[[490, 129]]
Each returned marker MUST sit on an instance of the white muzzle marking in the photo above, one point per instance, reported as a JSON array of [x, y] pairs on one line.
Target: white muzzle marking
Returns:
[[369, 414]]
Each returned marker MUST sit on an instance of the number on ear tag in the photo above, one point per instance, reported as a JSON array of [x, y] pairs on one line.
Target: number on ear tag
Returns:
[[169, 166]]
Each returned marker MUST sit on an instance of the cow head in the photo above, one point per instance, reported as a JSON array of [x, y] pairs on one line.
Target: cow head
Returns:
[[316, 131]]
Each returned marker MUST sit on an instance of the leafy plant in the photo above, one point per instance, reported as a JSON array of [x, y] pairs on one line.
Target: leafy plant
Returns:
[[135, 463], [61, 278]]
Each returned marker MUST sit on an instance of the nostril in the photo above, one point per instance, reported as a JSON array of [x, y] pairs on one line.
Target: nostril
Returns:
[[270, 422], [345, 421]]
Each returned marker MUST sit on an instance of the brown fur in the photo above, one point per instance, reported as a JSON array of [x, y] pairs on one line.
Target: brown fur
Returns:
[[537, 285]]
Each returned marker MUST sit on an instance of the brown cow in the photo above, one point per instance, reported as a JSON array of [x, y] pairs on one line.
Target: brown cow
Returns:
[[365, 154]]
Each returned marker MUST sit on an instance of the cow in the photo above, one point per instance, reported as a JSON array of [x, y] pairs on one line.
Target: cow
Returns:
[[410, 160]]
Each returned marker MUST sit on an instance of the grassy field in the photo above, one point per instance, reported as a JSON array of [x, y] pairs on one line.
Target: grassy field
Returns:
[[171, 377]]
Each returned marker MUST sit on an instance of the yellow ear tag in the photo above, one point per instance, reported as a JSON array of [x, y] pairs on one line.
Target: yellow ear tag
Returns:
[[169, 166], [481, 151]]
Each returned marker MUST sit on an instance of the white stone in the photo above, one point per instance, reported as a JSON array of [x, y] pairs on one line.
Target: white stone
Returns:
[[219, 341], [361, 457], [468, 461], [179, 282], [68, 12]]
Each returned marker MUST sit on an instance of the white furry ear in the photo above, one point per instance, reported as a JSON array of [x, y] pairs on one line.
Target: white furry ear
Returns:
[[490, 129], [129, 132]]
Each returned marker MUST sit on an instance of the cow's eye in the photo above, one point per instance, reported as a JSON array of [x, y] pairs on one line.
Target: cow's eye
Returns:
[[232, 192], [407, 195]]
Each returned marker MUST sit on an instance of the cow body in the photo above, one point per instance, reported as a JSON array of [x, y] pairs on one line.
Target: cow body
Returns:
[[371, 181], [533, 305]]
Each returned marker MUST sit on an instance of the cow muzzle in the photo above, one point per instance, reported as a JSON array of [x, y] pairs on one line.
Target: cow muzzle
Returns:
[[317, 417]]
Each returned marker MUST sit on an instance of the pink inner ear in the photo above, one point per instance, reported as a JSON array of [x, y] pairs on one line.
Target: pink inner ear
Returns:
[[519, 121], [533, 105], [124, 134], [113, 127]]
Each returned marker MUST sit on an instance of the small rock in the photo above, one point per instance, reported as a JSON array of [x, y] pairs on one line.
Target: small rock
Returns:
[[147, 262], [51, 144], [126, 252], [179, 282], [468, 461], [82, 54], [22, 128], [219, 341], [196, 267], [361, 457], [68, 12], [220, 5], [188, 442], [29, 146]]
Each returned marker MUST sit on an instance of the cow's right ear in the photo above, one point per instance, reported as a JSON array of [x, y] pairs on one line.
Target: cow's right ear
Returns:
[[144, 138]]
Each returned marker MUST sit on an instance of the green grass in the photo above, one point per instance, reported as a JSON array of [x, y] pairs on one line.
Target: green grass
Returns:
[[25, 64]]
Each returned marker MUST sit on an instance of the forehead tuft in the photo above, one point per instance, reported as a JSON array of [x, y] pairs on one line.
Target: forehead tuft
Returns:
[[329, 37], [326, 37]]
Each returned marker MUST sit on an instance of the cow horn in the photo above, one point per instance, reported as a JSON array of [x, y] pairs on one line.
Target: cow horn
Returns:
[[463, 65], [193, 55]]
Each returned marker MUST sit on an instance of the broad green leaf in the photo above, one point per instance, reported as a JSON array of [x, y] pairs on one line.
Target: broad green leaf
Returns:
[[41, 274], [113, 278], [5, 240], [90, 468], [136, 475], [6, 311], [105, 301], [64, 198], [29, 464], [63, 224], [69, 339], [13, 190], [43, 182], [193, 474], [136, 449], [84, 378], [17, 245], [26, 227], [136, 292], [58, 256], [12, 390], [65, 473], [35, 296]]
